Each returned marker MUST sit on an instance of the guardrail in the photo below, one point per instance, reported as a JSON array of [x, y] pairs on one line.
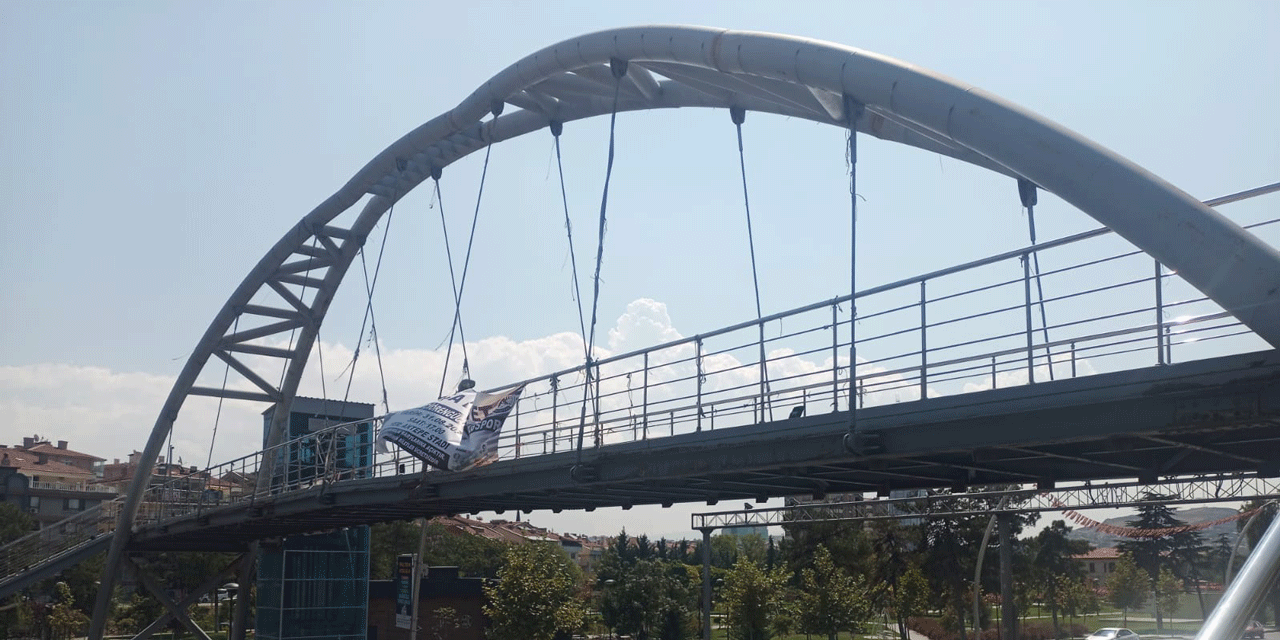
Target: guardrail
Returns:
[[84, 488], [56, 540], [967, 328]]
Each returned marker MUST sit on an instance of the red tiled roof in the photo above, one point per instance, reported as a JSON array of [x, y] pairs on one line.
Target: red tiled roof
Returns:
[[29, 463], [45, 447], [1105, 553]]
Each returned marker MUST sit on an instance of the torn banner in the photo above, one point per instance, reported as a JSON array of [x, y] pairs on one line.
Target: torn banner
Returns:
[[454, 433]]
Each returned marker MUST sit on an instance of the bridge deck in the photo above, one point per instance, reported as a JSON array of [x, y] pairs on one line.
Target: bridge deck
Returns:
[[1202, 417]]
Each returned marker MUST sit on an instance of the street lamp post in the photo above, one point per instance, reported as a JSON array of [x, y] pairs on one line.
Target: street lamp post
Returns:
[[608, 584], [230, 588], [217, 619]]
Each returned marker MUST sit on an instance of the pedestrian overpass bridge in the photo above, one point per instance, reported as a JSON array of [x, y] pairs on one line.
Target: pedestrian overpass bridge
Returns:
[[1148, 350]]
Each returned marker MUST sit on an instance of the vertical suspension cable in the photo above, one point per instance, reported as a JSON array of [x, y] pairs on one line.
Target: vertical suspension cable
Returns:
[[1027, 193], [368, 308], [373, 326], [850, 109], [448, 253], [618, 68], [557, 128], [739, 115], [460, 284]]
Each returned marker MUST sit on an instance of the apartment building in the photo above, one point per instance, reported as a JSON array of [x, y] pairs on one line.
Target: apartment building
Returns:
[[51, 481]]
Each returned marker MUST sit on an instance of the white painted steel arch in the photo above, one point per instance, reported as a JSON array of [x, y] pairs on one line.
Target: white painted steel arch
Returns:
[[679, 66]]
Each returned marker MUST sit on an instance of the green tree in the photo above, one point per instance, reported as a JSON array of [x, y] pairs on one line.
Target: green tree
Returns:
[[1154, 552], [891, 543], [831, 600], [474, 556], [644, 595], [388, 540], [536, 594], [1052, 563], [650, 599], [1168, 589], [911, 596], [1073, 596], [65, 620], [727, 549], [754, 600], [848, 542], [950, 549], [14, 522], [1128, 585]]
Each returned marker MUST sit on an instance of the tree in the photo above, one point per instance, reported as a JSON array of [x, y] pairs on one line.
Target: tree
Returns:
[[1155, 551], [950, 549], [754, 601], [650, 599], [644, 595], [536, 594], [474, 556], [14, 523], [911, 596], [65, 620], [727, 549], [1054, 567], [1073, 596], [848, 543], [388, 540], [1128, 585], [891, 543], [831, 600], [1217, 557], [1168, 588]]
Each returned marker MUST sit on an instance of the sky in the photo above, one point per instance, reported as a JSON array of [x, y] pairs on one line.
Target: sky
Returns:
[[152, 152]]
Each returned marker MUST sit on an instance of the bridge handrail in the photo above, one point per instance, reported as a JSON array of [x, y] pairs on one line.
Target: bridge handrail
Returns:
[[931, 275], [210, 488], [612, 421]]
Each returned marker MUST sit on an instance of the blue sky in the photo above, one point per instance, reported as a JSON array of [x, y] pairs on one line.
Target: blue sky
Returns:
[[153, 151]]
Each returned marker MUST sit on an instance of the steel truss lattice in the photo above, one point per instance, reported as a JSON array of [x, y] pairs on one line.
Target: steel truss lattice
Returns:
[[1226, 488]]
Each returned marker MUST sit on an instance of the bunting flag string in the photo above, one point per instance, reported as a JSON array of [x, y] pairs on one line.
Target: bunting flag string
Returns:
[[1133, 532]]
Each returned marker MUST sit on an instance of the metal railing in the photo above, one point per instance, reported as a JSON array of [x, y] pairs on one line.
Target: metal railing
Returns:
[[57, 540], [83, 488], [929, 336], [967, 328]]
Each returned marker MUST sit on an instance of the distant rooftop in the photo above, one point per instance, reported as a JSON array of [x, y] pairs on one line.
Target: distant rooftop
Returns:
[[1105, 553]]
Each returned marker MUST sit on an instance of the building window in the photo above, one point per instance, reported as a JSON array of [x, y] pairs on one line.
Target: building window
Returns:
[[1091, 569], [1111, 566], [34, 502], [72, 504]]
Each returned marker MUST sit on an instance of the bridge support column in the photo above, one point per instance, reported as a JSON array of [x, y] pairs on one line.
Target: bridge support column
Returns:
[[245, 578], [706, 584], [1008, 608]]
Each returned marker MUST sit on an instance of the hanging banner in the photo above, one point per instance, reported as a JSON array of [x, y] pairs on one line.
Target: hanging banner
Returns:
[[404, 590], [453, 433]]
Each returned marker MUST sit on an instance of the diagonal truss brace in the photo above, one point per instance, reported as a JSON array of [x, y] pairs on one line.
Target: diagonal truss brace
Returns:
[[178, 610]]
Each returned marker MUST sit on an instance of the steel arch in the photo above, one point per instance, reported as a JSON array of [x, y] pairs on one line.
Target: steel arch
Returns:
[[682, 66]]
